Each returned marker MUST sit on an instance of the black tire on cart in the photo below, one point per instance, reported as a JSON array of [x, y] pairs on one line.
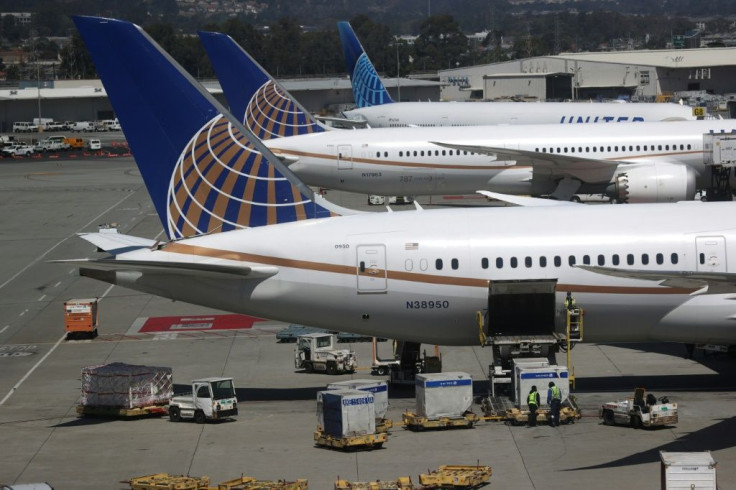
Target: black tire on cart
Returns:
[[608, 418], [174, 414], [200, 417], [636, 422], [331, 368], [382, 370]]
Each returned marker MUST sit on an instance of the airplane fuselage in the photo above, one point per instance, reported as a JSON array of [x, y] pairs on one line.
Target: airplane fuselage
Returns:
[[406, 161], [423, 275], [447, 114]]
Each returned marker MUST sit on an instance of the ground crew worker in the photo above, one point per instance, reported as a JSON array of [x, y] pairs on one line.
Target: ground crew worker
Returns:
[[569, 301], [533, 402], [554, 399]]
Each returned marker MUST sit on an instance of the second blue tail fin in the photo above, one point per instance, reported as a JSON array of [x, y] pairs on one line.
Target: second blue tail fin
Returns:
[[204, 171], [257, 100], [368, 90]]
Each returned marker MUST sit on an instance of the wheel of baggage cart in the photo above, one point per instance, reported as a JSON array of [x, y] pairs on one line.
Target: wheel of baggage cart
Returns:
[[382, 370], [636, 422], [331, 368], [608, 417], [174, 414], [200, 417]]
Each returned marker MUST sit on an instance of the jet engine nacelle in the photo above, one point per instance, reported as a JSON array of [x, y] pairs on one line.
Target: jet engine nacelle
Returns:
[[653, 182]]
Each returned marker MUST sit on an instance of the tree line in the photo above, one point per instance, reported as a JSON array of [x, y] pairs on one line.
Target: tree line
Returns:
[[285, 47]]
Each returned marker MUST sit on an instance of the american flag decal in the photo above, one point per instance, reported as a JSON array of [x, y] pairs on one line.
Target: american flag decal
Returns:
[[411, 246]]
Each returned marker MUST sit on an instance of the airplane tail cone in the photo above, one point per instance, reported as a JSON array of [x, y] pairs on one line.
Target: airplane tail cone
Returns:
[[204, 171]]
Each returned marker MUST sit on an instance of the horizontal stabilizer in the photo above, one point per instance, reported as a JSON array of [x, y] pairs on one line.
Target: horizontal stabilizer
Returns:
[[715, 282], [525, 201], [344, 121], [116, 243], [220, 271]]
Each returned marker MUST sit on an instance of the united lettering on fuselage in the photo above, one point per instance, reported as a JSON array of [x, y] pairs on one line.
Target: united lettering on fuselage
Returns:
[[604, 119]]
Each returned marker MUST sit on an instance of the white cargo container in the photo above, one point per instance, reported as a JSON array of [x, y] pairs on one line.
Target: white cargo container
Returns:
[[526, 377], [522, 362], [346, 413], [379, 390], [688, 470], [443, 394]]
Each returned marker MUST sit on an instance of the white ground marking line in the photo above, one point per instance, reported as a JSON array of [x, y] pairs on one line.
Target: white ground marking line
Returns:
[[4, 328], [42, 298], [37, 259], [23, 312], [35, 366], [57, 284]]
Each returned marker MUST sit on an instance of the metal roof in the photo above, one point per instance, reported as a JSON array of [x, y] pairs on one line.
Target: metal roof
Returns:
[[212, 86], [664, 58], [528, 75]]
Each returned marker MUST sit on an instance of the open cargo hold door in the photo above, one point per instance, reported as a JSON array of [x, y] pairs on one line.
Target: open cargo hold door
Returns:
[[521, 308]]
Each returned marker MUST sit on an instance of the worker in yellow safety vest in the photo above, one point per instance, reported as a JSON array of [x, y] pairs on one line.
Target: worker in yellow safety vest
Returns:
[[569, 301], [533, 402], [554, 399]]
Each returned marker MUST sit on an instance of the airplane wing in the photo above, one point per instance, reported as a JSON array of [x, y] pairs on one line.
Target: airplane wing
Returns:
[[525, 201], [548, 164], [702, 282], [219, 271]]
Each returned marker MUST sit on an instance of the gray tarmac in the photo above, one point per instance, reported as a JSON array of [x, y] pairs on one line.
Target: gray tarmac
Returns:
[[44, 203]]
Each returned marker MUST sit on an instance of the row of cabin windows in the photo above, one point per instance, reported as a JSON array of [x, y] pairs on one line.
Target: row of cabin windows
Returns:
[[557, 260], [558, 149], [586, 260], [428, 153], [611, 148]]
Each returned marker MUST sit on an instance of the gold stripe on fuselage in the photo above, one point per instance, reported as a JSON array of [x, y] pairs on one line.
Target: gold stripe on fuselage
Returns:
[[182, 248]]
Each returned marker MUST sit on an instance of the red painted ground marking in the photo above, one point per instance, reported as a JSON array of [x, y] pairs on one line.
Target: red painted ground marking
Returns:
[[192, 323]]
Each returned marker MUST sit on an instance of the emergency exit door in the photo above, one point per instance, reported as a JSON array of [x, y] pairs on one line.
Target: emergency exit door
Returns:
[[711, 253], [371, 268]]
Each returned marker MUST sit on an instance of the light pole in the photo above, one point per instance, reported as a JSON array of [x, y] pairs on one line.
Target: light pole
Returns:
[[38, 77], [398, 72]]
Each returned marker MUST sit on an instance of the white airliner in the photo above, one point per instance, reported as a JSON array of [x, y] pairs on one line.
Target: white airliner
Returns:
[[643, 162], [651, 272], [376, 109]]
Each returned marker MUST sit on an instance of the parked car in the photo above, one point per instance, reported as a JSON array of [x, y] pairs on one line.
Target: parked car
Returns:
[[86, 126], [95, 144], [75, 143], [53, 143], [17, 150], [24, 127], [54, 126], [378, 200]]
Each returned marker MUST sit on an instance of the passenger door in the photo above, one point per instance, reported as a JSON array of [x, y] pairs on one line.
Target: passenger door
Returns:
[[344, 157], [711, 253], [371, 268]]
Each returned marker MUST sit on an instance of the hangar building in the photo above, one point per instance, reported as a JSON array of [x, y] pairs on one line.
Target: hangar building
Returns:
[[640, 74], [86, 100]]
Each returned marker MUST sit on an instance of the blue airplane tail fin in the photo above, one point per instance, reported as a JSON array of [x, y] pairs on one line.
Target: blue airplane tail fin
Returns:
[[204, 171], [368, 90], [255, 99]]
